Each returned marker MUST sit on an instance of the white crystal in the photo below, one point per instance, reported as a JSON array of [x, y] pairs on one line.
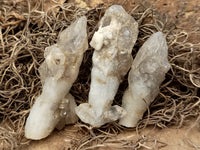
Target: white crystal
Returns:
[[58, 72], [67, 112], [113, 43], [147, 73]]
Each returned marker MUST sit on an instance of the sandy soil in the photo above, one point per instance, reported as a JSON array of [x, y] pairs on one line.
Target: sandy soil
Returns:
[[185, 14], [165, 139]]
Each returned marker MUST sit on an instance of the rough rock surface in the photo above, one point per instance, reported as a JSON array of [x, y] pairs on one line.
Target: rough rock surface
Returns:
[[58, 72], [147, 73], [113, 43]]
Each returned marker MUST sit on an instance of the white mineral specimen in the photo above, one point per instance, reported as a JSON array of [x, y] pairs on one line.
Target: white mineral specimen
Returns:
[[147, 73], [67, 112], [113, 43], [58, 72]]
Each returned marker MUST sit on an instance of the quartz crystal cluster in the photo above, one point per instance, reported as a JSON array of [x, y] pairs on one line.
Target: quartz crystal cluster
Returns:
[[55, 106], [112, 59], [147, 73], [113, 43]]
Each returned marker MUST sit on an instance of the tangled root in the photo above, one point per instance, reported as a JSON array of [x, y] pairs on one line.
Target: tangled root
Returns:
[[25, 34]]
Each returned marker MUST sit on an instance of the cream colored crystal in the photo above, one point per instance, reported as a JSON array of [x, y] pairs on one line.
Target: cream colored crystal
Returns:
[[147, 73], [113, 43], [58, 72]]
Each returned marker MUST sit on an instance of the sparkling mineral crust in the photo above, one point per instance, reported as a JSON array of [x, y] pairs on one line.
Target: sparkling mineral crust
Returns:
[[113, 43], [58, 72], [147, 73]]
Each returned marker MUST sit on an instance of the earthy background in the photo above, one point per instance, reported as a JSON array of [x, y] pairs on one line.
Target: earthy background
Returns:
[[185, 15], [182, 14]]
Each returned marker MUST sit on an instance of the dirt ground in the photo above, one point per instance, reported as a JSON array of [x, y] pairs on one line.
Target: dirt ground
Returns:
[[169, 138], [186, 15]]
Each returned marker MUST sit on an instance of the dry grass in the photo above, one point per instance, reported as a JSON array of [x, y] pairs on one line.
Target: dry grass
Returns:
[[25, 31]]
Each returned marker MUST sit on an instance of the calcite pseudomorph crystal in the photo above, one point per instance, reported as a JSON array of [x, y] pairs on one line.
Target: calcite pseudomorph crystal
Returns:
[[113, 43], [147, 73], [58, 72]]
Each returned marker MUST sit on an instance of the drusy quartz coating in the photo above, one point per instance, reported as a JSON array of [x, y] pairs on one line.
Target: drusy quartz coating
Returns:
[[113, 43], [58, 72], [147, 73]]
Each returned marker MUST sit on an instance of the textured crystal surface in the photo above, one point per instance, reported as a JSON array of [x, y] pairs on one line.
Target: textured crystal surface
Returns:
[[113, 43], [67, 112], [58, 72], [147, 73]]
